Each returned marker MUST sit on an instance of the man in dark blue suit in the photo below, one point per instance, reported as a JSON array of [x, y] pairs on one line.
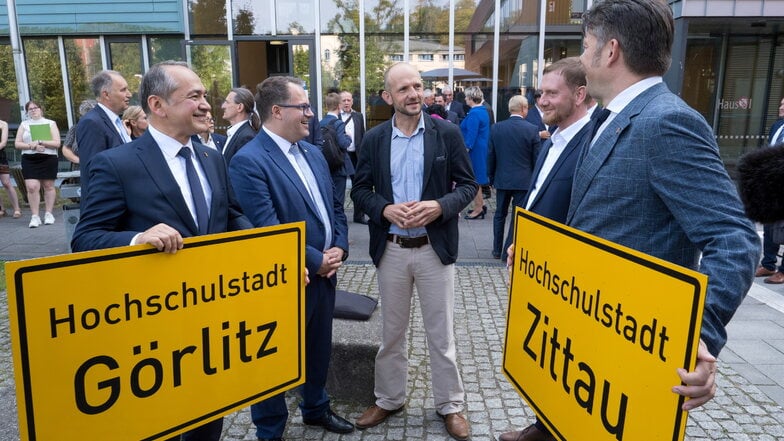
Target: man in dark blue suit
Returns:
[[451, 105], [210, 138], [280, 178], [770, 250], [101, 128], [450, 115], [238, 110], [141, 193], [565, 104], [332, 118], [535, 117], [514, 144]]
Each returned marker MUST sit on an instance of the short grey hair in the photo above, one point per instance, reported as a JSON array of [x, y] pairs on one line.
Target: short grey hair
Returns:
[[517, 103], [158, 82], [103, 81]]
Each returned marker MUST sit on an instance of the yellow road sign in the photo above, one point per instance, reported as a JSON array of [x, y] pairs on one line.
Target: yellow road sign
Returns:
[[131, 343], [596, 332]]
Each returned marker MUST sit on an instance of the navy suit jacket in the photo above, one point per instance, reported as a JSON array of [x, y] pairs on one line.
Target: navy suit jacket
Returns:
[[446, 163], [654, 181], [133, 189], [552, 198], [535, 118], [244, 134], [218, 139], [511, 155], [459, 110], [773, 130], [270, 192], [343, 142], [95, 133]]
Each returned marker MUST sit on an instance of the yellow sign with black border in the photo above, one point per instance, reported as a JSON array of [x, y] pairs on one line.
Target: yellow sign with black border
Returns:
[[131, 343], [596, 332]]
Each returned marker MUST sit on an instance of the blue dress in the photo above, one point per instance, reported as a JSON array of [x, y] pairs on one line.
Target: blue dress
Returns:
[[476, 134]]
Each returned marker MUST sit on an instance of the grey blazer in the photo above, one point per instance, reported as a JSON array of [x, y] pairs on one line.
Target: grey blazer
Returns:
[[654, 181]]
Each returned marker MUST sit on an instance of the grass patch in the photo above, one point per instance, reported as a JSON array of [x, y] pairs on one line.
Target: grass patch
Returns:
[[2, 275]]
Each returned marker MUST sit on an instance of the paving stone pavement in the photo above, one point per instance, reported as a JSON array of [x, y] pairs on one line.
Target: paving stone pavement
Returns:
[[740, 411]]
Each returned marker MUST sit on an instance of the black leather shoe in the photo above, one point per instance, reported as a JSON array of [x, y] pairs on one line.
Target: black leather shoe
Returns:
[[331, 422]]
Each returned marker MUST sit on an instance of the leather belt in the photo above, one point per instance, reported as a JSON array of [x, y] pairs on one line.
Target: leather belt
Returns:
[[408, 242]]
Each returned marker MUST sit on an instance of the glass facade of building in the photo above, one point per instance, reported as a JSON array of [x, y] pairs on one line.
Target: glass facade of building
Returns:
[[731, 69]]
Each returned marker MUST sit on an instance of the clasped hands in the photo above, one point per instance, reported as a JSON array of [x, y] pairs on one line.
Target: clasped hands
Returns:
[[413, 214]]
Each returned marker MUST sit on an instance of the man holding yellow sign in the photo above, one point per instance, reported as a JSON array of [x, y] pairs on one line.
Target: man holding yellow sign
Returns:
[[147, 192], [651, 178]]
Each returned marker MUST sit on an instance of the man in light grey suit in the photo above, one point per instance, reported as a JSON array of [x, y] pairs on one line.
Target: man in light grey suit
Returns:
[[652, 178]]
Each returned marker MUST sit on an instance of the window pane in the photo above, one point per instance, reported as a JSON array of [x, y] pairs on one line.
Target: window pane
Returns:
[[83, 56], [9, 96], [126, 58], [45, 78], [207, 17], [281, 17], [378, 111], [212, 63], [165, 48]]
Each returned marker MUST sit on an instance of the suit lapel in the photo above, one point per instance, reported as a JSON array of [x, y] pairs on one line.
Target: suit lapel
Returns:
[[110, 126], [281, 161], [151, 156], [605, 144], [431, 145]]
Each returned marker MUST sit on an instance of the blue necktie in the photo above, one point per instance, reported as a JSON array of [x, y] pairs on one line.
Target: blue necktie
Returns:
[[199, 201], [780, 139], [121, 129]]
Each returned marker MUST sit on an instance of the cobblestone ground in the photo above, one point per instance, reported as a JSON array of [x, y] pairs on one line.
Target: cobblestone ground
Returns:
[[739, 411]]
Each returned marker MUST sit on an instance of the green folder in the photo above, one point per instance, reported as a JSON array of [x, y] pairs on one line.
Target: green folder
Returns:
[[40, 132]]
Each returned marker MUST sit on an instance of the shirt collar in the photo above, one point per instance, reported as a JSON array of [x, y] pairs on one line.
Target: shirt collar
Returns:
[[630, 93], [568, 133], [420, 127], [282, 144], [233, 129], [168, 145], [112, 116]]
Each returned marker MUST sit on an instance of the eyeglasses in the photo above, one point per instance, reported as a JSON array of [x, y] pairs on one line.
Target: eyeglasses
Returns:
[[305, 108], [30, 109]]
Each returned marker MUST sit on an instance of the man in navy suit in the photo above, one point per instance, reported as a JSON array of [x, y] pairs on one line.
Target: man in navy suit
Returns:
[[280, 178], [140, 192], [101, 128], [332, 118], [564, 103], [770, 250], [450, 115], [535, 117], [355, 129], [514, 144], [209, 138], [451, 105], [238, 110], [413, 178]]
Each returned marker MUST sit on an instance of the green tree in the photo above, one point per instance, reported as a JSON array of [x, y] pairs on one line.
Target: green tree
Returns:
[[9, 95], [211, 63], [208, 17], [45, 78]]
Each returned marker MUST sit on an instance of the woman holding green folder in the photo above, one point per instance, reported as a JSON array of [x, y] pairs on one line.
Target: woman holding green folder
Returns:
[[39, 138]]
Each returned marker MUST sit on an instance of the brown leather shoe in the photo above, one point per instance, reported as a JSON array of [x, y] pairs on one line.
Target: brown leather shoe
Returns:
[[374, 416], [775, 279], [456, 425], [530, 433], [763, 272]]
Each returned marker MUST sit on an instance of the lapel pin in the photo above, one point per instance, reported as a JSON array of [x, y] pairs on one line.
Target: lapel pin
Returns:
[[205, 154]]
